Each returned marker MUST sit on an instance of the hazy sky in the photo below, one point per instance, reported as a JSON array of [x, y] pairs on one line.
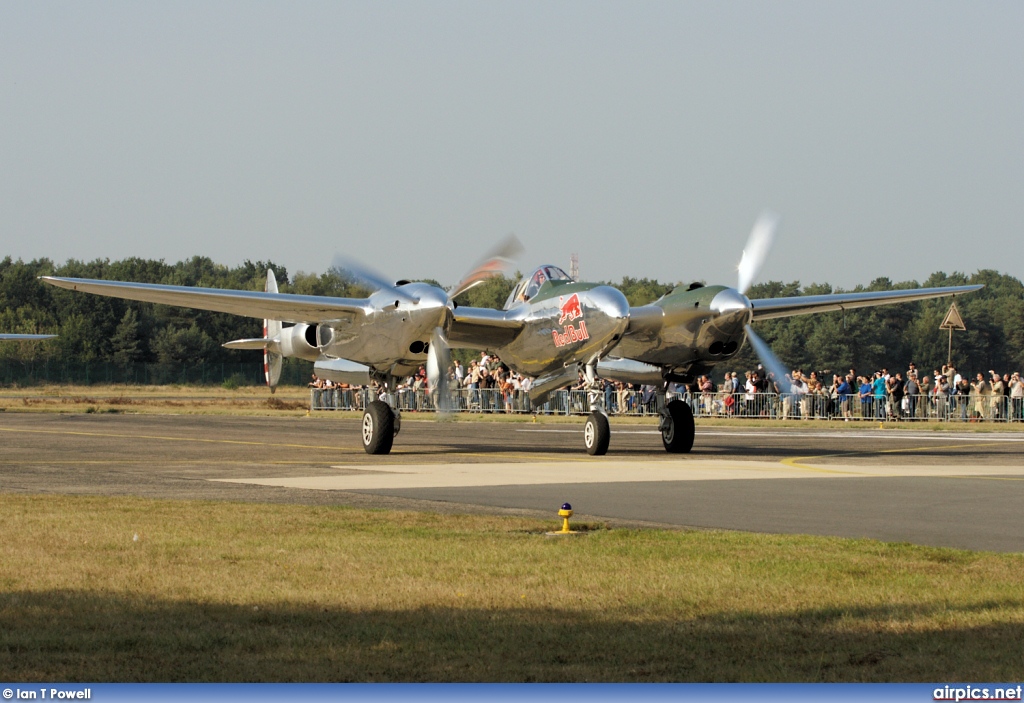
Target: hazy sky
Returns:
[[646, 136]]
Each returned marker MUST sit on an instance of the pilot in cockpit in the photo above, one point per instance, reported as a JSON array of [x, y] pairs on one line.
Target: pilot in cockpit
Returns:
[[534, 285]]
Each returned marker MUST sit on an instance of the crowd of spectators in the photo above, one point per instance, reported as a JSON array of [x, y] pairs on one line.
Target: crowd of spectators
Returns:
[[488, 385], [945, 394]]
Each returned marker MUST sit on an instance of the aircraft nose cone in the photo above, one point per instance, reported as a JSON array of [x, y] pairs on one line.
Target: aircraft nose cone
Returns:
[[730, 301], [434, 297]]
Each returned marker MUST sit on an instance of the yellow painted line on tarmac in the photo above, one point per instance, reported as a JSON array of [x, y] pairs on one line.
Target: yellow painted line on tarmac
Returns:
[[351, 450], [797, 461], [987, 478], [174, 462], [178, 439]]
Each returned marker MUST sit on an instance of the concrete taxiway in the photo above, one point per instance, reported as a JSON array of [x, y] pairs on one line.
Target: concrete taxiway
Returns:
[[958, 489]]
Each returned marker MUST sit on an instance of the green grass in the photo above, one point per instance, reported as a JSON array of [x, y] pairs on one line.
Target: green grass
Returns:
[[245, 592]]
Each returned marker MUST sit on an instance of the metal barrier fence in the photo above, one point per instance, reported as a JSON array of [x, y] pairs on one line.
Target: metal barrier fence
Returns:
[[31, 373], [791, 406]]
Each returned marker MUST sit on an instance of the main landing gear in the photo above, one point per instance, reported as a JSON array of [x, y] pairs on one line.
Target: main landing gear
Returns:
[[676, 426], [675, 420], [381, 421]]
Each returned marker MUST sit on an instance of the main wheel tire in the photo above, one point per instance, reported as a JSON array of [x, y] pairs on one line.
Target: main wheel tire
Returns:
[[596, 434], [678, 436], [378, 428]]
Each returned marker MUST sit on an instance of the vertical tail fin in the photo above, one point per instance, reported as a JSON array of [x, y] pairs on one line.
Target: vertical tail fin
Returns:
[[272, 330]]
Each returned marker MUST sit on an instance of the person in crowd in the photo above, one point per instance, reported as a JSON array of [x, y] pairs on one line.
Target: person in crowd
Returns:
[[608, 389], [941, 394], [912, 391], [843, 391], [980, 391], [866, 395], [1016, 397], [896, 390], [878, 394], [621, 398], [962, 394], [926, 397], [706, 389], [996, 395], [749, 395], [802, 391], [486, 389]]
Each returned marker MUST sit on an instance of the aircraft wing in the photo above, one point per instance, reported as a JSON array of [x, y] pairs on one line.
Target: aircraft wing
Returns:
[[482, 328], [24, 337], [273, 306], [769, 308]]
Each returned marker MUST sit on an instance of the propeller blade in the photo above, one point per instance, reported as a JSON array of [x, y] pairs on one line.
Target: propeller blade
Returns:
[[438, 361], [368, 277], [758, 246], [769, 360], [495, 263]]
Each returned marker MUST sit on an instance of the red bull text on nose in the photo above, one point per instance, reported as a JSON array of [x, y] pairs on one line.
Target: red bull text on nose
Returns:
[[570, 334]]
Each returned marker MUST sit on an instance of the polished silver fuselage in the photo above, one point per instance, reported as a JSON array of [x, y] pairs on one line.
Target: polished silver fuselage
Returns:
[[565, 324]]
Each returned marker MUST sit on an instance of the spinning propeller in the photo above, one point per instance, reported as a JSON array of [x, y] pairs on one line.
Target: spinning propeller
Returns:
[[759, 245], [366, 276], [495, 263]]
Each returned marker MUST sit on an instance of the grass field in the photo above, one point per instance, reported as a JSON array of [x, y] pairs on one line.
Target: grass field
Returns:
[[125, 589]]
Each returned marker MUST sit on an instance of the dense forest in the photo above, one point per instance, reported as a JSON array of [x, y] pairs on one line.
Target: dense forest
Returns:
[[119, 333]]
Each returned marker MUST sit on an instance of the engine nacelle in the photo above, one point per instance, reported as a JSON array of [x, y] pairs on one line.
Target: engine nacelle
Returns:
[[300, 341], [629, 371]]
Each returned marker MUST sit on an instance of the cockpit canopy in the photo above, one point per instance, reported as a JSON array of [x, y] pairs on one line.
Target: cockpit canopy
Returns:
[[528, 287]]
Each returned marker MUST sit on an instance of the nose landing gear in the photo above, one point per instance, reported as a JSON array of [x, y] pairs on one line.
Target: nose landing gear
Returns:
[[596, 434]]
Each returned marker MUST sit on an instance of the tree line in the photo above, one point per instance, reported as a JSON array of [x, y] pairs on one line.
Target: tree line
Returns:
[[98, 329]]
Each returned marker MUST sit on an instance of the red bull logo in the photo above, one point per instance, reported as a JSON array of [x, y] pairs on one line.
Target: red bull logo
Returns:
[[570, 309]]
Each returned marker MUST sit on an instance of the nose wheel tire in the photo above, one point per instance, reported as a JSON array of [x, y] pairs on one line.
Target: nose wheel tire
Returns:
[[677, 428], [596, 434], [378, 429]]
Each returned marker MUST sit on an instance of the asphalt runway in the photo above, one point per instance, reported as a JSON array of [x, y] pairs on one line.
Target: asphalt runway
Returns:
[[956, 489]]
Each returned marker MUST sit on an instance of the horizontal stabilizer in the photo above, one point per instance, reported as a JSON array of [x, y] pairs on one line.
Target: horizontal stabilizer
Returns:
[[24, 337], [258, 343]]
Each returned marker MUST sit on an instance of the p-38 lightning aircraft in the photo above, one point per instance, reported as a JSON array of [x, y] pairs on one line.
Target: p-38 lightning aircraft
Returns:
[[551, 328]]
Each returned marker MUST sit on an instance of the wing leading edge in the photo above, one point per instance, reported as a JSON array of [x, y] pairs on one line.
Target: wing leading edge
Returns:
[[482, 328], [274, 306], [770, 308]]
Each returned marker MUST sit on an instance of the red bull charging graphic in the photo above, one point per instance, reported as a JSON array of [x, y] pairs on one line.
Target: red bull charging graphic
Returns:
[[570, 310]]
